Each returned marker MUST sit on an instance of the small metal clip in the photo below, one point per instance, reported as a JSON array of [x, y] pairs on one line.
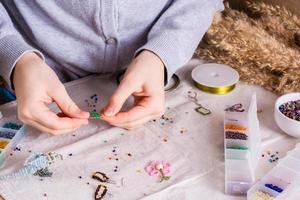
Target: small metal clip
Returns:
[[200, 109], [102, 178], [100, 192]]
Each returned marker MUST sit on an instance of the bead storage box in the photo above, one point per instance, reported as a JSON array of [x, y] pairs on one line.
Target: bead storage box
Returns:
[[242, 144], [11, 132], [281, 182]]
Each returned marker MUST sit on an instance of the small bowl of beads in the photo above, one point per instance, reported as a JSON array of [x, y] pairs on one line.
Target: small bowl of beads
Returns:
[[287, 113]]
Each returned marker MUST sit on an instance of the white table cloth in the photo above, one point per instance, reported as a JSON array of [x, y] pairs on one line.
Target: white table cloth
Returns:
[[192, 143]]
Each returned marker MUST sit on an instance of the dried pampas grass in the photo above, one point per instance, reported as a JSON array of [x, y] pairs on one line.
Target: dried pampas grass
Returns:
[[261, 42]]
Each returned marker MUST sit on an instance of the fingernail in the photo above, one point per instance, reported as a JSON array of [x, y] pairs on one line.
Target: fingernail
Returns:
[[109, 112]]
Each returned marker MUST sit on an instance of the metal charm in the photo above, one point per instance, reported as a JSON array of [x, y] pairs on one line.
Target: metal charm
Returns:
[[200, 109], [100, 192], [102, 178]]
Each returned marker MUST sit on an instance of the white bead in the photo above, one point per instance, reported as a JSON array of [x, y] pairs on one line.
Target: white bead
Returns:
[[159, 166]]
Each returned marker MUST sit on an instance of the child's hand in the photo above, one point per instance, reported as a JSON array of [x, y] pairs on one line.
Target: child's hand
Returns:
[[144, 79], [36, 86]]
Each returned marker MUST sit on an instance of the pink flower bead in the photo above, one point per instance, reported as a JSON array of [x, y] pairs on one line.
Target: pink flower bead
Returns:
[[153, 168]]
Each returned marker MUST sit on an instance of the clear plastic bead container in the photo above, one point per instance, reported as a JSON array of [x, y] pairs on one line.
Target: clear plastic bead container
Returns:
[[11, 133], [242, 141], [281, 182]]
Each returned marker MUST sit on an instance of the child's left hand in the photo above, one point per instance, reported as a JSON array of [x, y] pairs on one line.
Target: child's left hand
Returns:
[[144, 79]]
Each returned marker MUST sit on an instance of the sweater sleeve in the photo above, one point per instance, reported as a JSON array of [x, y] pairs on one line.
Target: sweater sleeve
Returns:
[[12, 46], [176, 34]]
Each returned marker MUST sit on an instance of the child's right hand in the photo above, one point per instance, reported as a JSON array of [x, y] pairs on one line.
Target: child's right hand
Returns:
[[36, 86]]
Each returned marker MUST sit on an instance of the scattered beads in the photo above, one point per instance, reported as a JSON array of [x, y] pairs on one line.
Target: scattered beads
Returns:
[[91, 102], [116, 169], [183, 130], [271, 157], [274, 187], [291, 109], [11, 125], [164, 119], [115, 154], [17, 149]]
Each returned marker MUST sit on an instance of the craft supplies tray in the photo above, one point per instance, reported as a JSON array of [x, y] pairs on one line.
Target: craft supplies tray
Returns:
[[281, 181], [242, 141], [11, 132]]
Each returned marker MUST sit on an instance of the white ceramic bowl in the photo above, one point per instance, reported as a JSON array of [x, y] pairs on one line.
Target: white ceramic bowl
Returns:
[[288, 125]]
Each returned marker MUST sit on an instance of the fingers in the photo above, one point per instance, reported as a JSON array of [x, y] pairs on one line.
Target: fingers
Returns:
[[117, 100], [146, 109], [50, 120], [136, 124], [44, 119], [47, 130], [67, 105]]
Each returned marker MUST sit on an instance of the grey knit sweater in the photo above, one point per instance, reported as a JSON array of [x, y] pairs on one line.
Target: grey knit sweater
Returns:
[[80, 37]]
